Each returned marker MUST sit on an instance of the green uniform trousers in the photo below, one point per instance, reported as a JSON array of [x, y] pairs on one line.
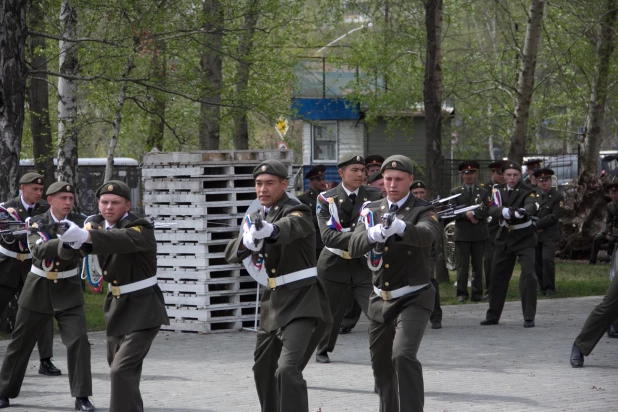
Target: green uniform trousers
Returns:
[[125, 356], [28, 327], [397, 371], [352, 313], [278, 366], [488, 261], [546, 265], [45, 342], [466, 252], [325, 335], [603, 315], [502, 271]]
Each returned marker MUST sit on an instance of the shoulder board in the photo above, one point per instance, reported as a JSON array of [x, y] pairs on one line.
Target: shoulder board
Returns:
[[376, 203], [131, 217], [292, 202], [330, 193], [482, 184]]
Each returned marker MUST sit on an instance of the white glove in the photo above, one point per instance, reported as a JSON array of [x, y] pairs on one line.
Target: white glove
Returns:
[[374, 234], [73, 234], [518, 216], [396, 228], [264, 232], [505, 213], [249, 242]]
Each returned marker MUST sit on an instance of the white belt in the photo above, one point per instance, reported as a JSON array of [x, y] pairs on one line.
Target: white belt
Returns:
[[397, 293], [292, 277], [53, 275], [132, 287], [19, 256], [515, 227], [339, 252]]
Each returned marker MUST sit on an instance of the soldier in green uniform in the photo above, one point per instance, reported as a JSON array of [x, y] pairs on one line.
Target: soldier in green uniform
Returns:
[[532, 166], [550, 211], [317, 184], [16, 260], [516, 239], [492, 226], [419, 190], [402, 298], [377, 180], [294, 299], [53, 289], [471, 232], [338, 212], [125, 248], [373, 163], [610, 231]]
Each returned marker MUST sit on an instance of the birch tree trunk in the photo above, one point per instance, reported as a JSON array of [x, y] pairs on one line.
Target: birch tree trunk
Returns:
[[245, 47], [525, 84], [38, 99], [156, 129], [12, 91], [212, 76], [598, 95], [67, 98]]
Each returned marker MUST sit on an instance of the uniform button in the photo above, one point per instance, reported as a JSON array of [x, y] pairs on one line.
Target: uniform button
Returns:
[[386, 283], [386, 266], [105, 272], [57, 263], [272, 271], [386, 249], [265, 254], [353, 224], [56, 270], [115, 282], [55, 280], [409, 252]]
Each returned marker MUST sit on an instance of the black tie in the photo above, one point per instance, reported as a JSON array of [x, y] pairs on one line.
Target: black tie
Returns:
[[30, 209], [542, 196], [394, 208], [352, 197], [470, 191]]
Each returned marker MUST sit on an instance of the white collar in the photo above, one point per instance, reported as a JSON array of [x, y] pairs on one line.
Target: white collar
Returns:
[[23, 202], [54, 217], [267, 209], [400, 202], [349, 192], [108, 226]]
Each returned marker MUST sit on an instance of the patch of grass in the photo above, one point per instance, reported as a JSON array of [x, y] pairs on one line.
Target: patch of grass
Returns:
[[573, 279], [94, 310]]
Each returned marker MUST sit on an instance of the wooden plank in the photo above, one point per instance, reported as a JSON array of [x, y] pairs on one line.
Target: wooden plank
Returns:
[[217, 156]]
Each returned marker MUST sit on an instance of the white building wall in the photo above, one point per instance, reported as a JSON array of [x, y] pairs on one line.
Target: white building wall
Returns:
[[351, 137], [306, 143]]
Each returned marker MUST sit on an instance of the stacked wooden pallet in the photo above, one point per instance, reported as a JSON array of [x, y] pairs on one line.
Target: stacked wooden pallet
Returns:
[[203, 196]]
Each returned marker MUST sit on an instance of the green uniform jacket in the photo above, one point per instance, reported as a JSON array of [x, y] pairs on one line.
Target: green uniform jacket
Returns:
[[611, 218], [549, 214], [493, 224], [331, 266], [13, 271], [310, 198], [465, 231], [293, 250], [47, 296], [405, 259], [127, 254], [523, 196]]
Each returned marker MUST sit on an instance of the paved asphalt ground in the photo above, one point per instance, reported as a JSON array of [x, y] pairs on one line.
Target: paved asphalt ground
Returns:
[[466, 367]]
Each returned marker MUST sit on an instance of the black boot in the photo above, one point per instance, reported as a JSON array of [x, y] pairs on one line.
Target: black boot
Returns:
[[577, 357], [4, 402], [47, 368], [83, 404]]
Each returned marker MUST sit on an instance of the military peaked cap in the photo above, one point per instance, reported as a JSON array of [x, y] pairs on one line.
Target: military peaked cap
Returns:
[[469, 166], [496, 166], [510, 165], [374, 160], [544, 172], [315, 171]]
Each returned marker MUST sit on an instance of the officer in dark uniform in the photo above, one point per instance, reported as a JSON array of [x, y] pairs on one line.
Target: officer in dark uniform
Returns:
[[53, 289], [373, 163], [516, 240], [294, 299], [550, 211], [532, 166], [317, 184], [338, 212], [609, 233], [493, 224], [16, 260], [126, 250], [377, 180], [599, 320], [419, 190], [402, 298], [471, 232]]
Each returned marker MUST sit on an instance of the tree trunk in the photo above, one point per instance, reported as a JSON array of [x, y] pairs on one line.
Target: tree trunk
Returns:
[[67, 98], [245, 47], [212, 74], [38, 99], [12, 91], [156, 130], [598, 95], [432, 96], [525, 84]]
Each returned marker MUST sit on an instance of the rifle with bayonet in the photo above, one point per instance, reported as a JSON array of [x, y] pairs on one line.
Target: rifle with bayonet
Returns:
[[448, 211], [387, 221], [14, 228]]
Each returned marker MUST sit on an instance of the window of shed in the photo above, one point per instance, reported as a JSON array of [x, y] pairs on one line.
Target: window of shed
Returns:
[[324, 142]]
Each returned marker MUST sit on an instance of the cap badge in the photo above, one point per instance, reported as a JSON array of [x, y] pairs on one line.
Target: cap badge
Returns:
[[264, 168], [511, 165], [358, 158], [68, 188], [39, 181], [110, 188], [394, 164]]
